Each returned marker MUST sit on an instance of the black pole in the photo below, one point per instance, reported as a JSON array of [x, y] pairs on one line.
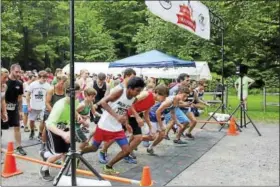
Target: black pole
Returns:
[[241, 99], [223, 66], [72, 95]]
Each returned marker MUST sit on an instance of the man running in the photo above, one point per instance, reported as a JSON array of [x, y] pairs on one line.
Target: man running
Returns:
[[128, 74], [110, 125], [58, 131], [145, 100]]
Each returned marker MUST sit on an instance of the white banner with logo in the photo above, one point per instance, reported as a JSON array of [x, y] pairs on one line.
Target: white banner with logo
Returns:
[[190, 15]]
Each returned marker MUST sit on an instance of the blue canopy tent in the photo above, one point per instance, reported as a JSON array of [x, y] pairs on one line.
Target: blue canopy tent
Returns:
[[151, 59]]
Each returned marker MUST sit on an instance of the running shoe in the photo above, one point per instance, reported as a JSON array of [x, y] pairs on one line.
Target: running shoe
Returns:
[[21, 151], [179, 142], [189, 135], [45, 175], [26, 129], [110, 171], [166, 137], [150, 150], [132, 154], [130, 160], [102, 158]]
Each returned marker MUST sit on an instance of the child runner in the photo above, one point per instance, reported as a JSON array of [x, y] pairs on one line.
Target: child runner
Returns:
[[166, 107], [84, 109]]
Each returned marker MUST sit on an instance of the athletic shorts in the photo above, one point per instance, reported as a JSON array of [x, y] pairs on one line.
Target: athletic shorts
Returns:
[[101, 135], [35, 114], [4, 125], [80, 136], [13, 118], [156, 128], [134, 125], [180, 115], [56, 144], [25, 109], [46, 115]]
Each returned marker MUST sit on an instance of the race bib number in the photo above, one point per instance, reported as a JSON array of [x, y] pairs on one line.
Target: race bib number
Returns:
[[61, 126], [11, 106], [121, 111]]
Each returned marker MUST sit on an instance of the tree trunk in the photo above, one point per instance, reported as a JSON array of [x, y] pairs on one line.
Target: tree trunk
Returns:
[[25, 50]]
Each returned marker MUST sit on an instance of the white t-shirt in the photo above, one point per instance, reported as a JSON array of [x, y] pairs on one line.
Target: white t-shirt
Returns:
[[120, 106], [38, 94], [25, 88]]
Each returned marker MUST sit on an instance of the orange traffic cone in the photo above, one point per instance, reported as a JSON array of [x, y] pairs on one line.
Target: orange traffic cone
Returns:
[[146, 179], [232, 128], [10, 167]]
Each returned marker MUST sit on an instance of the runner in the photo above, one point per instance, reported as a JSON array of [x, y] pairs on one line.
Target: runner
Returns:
[[169, 109], [182, 78], [36, 99], [58, 71], [145, 100], [110, 125], [4, 114], [102, 89], [84, 109], [31, 78], [200, 103], [58, 126], [128, 74], [53, 95], [83, 82], [14, 104]]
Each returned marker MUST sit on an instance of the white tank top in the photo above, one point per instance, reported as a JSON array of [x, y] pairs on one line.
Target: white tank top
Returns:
[[120, 106]]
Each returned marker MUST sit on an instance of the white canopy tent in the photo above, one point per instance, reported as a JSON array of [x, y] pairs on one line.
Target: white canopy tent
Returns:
[[92, 67], [201, 71]]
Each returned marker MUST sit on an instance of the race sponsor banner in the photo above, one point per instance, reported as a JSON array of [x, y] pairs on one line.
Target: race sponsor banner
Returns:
[[190, 15]]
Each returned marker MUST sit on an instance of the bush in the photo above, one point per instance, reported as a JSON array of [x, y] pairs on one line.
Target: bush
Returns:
[[255, 91], [272, 90]]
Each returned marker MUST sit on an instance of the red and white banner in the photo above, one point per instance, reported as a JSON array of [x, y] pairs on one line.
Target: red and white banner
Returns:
[[190, 15]]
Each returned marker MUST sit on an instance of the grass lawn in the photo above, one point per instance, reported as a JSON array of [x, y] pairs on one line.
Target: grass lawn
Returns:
[[255, 107]]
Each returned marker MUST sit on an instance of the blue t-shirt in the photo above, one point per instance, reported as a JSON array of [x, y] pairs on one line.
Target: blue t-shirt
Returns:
[[153, 110]]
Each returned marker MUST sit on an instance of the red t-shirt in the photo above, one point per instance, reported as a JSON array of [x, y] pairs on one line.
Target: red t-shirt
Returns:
[[143, 105]]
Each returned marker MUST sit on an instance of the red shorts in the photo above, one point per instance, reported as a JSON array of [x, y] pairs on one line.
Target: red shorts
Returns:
[[103, 135]]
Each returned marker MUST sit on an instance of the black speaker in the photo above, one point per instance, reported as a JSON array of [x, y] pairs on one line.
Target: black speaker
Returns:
[[241, 69]]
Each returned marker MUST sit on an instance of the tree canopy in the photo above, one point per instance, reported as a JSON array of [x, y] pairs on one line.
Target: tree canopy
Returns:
[[36, 35]]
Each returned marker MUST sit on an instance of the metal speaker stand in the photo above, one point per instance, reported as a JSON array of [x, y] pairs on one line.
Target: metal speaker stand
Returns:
[[72, 154], [243, 113]]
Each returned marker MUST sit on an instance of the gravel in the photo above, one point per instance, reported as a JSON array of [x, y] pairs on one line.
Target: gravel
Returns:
[[246, 159]]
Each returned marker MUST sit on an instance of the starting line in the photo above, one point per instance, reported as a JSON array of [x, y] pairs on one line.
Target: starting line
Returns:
[[79, 171]]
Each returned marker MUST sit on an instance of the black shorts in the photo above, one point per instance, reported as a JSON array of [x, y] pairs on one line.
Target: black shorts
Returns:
[[80, 136], [46, 115], [4, 125], [134, 125], [13, 118], [56, 144]]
